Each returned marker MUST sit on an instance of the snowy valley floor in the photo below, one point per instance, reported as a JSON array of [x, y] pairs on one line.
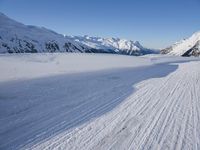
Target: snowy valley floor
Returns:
[[150, 102]]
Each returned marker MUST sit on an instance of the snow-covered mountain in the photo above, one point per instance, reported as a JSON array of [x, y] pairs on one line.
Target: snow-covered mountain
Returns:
[[185, 47], [16, 37], [112, 45]]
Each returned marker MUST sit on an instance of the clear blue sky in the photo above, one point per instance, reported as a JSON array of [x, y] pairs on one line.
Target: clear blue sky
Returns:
[[155, 23]]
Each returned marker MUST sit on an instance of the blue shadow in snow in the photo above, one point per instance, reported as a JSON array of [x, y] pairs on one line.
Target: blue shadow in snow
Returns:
[[34, 110]]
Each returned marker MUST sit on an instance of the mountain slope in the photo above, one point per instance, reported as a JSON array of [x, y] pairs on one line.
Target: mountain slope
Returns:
[[16, 37], [186, 47]]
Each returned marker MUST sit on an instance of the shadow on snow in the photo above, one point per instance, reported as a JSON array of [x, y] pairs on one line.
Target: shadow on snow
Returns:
[[34, 110]]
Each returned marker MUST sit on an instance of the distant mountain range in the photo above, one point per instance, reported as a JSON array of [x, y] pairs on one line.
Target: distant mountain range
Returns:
[[16, 37], [185, 47], [112, 45]]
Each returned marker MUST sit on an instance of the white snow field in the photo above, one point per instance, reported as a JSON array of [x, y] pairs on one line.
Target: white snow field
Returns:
[[99, 101], [29, 66]]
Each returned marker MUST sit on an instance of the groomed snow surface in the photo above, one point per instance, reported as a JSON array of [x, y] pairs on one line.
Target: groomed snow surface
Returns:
[[98, 101]]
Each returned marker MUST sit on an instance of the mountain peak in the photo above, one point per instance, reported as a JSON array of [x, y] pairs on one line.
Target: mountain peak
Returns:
[[185, 47], [112, 45]]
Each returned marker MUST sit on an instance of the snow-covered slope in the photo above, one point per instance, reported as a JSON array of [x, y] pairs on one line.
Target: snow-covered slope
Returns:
[[162, 113], [98, 101], [16, 37], [186, 47], [113, 45]]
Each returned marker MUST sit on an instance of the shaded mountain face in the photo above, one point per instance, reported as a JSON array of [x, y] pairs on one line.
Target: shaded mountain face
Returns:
[[187, 47], [16, 37], [194, 51]]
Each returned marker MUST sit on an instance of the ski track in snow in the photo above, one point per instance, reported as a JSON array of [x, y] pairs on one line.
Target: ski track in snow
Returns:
[[163, 113], [141, 107]]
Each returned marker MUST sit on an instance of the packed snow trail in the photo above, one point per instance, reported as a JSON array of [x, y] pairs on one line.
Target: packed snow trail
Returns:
[[48, 96], [163, 113], [35, 110]]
